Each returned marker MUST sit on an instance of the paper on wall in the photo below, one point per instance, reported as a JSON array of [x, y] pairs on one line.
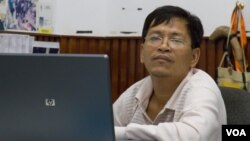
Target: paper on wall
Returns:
[[3, 9], [45, 17]]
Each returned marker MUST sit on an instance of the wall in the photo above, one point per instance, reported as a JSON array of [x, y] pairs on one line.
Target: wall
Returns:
[[123, 14], [73, 15], [109, 17]]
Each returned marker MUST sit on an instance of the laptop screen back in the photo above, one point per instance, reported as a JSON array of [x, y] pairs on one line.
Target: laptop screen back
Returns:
[[55, 98]]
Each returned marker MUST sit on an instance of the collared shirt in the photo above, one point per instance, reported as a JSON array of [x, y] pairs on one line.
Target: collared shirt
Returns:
[[195, 112]]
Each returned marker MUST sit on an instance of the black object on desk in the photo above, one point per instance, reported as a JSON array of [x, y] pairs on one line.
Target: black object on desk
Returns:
[[55, 97], [84, 31]]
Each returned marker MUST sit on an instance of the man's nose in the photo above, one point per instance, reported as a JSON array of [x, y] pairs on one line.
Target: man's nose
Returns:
[[164, 46]]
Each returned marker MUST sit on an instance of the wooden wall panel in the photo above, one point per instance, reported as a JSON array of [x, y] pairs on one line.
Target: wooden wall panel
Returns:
[[248, 53], [123, 61], [83, 45], [124, 54], [73, 45], [203, 61], [114, 57], [210, 55], [131, 76], [64, 45]]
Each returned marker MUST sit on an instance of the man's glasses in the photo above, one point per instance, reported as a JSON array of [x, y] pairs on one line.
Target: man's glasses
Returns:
[[157, 40]]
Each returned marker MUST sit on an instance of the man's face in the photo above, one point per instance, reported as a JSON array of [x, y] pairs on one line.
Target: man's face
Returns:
[[167, 50]]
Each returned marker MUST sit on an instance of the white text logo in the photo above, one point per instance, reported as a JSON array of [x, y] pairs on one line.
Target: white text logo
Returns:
[[236, 132]]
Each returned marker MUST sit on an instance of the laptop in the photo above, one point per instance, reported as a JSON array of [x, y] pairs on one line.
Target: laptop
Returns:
[[55, 97]]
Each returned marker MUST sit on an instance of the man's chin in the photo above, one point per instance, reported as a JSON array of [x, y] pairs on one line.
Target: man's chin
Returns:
[[160, 74]]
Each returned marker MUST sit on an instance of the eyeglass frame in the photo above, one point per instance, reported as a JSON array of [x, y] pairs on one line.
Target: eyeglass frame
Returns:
[[157, 40]]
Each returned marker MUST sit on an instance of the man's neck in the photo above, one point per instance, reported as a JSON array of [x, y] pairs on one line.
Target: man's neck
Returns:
[[164, 87]]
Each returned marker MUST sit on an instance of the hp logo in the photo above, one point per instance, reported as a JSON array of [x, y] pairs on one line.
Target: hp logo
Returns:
[[50, 102]]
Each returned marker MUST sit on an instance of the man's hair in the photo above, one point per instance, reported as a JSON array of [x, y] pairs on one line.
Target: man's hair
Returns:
[[166, 13]]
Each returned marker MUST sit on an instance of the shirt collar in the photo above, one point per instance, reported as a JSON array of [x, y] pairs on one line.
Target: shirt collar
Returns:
[[171, 104], [146, 89]]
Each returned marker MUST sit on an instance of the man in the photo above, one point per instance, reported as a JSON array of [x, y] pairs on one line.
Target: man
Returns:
[[176, 102]]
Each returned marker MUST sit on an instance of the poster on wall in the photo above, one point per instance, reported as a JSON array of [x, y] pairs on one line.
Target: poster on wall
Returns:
[[3, 9], [45, 17], [21, 15]]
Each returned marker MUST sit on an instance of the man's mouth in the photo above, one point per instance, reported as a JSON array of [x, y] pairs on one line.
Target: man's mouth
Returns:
[[162, 57]]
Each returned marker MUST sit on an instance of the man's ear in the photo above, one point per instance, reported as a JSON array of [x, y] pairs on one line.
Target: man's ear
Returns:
[[195, 57]]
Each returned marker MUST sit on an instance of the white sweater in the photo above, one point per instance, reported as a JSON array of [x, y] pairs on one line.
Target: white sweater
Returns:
[[195, 112]]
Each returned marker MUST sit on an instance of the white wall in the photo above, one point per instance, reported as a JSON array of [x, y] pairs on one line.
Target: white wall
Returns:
[[73, 15], [212, 13], [109, 17]]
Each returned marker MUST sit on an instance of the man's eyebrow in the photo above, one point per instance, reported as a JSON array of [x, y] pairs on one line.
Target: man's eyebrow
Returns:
[[176, 34], [155, 32], [173, 33]]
